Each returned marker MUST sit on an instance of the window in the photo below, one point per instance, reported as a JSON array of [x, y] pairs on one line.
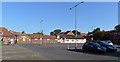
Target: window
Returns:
[[72, 40], [118, 33], [42, 36], [36, 39], [1, 32], [67, 40], [34, 36], [115, 33], [46, 36]]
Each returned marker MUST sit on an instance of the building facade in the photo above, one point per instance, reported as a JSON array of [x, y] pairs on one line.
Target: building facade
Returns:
[[69, 37], [36, 38], [6, 36], [115, 36]]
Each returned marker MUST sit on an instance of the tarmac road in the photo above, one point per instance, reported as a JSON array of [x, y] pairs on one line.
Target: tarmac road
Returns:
[[15, 52], [59, 52]]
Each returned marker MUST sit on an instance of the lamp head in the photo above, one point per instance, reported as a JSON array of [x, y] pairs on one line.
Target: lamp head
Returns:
[[70, 8], [82, 1]]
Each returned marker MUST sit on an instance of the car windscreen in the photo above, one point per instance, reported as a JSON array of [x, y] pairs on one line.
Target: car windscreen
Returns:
[[97, 45], [105, 43]]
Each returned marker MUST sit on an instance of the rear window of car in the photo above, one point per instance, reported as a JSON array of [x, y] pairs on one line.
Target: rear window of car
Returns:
[[96, 44], [105, 43]]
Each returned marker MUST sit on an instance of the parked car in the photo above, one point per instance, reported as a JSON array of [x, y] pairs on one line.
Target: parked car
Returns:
[[109, 42], [110, 48], [94, 47]]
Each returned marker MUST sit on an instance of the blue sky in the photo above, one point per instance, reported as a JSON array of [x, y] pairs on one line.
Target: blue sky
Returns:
[[19, 16]]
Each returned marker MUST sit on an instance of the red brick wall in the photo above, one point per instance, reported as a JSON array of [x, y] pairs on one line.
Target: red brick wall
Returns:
[[21, 41], [35, 41], [5, 40]]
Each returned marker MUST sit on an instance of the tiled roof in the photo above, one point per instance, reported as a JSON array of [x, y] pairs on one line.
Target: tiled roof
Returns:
[[49, 37], [41, 36], [72, 37], [64, 33], [16, 33], [34, 35], [83, 34], [6, 33], [112, 31]]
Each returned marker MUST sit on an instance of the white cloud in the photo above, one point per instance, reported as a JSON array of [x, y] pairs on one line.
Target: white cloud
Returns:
[[60, 0]]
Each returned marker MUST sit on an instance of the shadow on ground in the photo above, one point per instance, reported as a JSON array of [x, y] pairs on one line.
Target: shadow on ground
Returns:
[[115, 54]]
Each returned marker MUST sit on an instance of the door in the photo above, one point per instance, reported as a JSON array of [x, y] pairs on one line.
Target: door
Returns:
[[50, 40], [63, 41]]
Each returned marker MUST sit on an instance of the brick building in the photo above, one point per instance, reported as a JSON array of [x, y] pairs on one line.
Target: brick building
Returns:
[[36, 38], [115, 36], [89, 37], [69, 37], [6, 36]]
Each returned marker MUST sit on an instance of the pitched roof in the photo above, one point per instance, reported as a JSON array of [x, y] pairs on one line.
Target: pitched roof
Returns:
[[41, 36], [83, 34], [72, 37], [112, 31], [66, 33], [6, 33], [16, 33], [34, 35], [49, 37]]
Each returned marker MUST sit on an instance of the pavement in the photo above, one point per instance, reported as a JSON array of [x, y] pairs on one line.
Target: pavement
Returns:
[[15, 52]]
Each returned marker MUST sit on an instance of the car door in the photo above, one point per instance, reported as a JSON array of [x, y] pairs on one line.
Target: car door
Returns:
[[90, 47]]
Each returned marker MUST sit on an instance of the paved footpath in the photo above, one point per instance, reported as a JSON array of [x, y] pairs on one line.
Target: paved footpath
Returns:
[[14, 52]]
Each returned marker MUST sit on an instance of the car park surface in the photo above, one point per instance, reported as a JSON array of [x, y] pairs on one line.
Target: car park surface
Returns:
[[52, 52], [59, 52]]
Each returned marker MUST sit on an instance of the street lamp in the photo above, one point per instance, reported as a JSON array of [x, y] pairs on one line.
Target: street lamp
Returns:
[[76, 22], [41, 31], [92, 29]]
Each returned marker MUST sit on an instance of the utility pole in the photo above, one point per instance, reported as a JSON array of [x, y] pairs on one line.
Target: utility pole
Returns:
[[92, 29]]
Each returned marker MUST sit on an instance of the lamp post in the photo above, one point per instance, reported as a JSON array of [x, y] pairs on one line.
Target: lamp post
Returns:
[[92, 29], [41, 31], [76, 22]]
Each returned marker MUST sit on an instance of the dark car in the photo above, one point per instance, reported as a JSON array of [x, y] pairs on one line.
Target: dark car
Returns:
[[94, 47], [110, 48]]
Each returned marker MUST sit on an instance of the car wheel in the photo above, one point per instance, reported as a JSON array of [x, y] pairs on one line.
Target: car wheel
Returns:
[[83, 49]]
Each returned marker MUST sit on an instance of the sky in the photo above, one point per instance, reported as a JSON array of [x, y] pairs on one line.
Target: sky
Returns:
[[59, 0], [19, 16]]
